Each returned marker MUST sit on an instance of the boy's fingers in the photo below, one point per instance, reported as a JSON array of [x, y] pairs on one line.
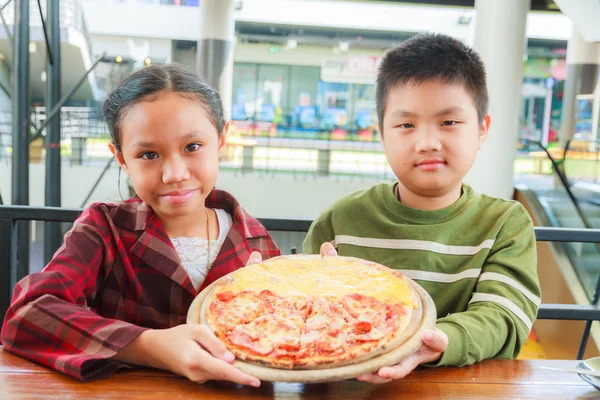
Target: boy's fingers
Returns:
[[327, 249], [255, 258], [399, 370], [436, 340], [372, 378]]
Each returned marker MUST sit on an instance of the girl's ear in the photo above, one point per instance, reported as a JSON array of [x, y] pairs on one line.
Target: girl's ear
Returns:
[[223, 138], [119, 156]]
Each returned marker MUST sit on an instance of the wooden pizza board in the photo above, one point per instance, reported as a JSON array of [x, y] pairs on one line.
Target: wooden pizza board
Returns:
[[410, 341]]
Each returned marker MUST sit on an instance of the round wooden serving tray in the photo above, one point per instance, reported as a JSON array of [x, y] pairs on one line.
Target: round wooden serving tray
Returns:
[[409, 342]]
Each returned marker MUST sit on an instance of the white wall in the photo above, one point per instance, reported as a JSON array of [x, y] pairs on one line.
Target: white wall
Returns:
[[132, 18], [302, 55], [263, 195], [159, 49], [141, 20]]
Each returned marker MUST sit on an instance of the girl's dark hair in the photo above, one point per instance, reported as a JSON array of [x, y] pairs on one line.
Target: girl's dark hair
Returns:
[[141, 85]]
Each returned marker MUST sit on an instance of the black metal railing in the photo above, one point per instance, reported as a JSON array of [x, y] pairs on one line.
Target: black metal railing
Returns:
[[556, 166], [10, 266]]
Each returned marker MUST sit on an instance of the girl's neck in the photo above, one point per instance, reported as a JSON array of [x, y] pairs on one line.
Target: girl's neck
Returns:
[[190, 225]]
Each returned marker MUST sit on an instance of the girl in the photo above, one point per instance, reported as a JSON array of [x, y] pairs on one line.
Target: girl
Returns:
[[117, 292]]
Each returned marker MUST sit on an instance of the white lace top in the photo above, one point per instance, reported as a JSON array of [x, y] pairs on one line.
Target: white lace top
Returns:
[[193, 250]]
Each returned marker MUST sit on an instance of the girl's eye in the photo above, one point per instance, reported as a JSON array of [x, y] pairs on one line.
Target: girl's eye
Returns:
[[192, 147], [449, 123], [149, 155]]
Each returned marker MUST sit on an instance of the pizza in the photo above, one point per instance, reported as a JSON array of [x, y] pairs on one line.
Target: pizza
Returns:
[[310, 312]]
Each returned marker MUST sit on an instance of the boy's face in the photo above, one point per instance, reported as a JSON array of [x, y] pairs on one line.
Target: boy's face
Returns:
[[431, 135]]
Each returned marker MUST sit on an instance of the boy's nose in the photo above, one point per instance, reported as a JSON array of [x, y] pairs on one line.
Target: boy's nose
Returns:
[[175, 170], [428, 141]]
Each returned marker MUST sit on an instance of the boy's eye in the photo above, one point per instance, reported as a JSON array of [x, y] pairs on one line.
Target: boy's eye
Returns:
[[149, 155], [192, 147], [406, 126], [449, 123]]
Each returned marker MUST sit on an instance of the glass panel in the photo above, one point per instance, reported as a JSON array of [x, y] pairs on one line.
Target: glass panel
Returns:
[[243, 105], [272, 98], [302, 117], [335, 107], [364, 114]]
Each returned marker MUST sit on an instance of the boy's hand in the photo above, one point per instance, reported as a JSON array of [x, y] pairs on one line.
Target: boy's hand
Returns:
[[327, 249], [435, 343], [255, 258], [192, 351]]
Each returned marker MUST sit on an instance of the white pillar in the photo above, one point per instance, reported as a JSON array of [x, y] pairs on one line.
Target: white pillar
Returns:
[[215, 47], [500, 40], [582, 76]]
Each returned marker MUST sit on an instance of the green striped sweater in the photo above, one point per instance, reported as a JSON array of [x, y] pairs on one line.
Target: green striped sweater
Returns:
[[476, 258]]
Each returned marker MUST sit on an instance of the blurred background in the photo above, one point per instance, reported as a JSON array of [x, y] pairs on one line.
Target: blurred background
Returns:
[[297, 78]]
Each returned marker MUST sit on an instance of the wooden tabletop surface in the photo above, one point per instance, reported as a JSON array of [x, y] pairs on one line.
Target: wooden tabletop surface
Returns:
[[22, 379]]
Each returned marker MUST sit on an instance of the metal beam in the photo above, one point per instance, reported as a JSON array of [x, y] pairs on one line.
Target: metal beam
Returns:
[[6, 284], [567, 235], [52, 230], [588, 324], [20, 130], [571, 312], [4, 6], [29, 213], [4, 88], [45, 28], [286, 225], [8, 34], [50, 115]]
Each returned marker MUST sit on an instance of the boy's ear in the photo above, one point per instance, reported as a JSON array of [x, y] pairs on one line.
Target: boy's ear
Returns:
[[380, 134], [484, 129], [119, 156]]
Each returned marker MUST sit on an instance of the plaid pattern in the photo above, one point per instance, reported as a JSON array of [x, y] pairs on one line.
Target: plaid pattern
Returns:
[[116, 275]]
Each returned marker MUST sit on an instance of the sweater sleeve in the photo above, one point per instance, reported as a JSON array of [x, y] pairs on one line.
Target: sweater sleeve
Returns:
[[321, 231], [504, 304], [49, 320]]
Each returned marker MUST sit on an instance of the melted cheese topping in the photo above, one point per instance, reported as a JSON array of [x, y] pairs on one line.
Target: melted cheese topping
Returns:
[[328, 276]]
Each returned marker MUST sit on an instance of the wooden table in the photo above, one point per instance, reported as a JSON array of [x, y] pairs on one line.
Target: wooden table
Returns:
[[21, 379]]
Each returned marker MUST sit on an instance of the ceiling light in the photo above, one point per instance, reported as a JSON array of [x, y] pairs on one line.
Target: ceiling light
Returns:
[[464, 20], [32, 47], [118, 59], [148, 61], [292, 44]]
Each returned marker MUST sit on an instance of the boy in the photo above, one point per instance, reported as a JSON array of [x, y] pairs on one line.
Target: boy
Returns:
[[474, 254]]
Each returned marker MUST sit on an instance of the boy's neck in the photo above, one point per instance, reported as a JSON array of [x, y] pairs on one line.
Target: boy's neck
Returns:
[[427, 203]]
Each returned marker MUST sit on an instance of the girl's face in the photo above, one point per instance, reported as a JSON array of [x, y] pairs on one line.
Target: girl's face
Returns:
[[170, 149]]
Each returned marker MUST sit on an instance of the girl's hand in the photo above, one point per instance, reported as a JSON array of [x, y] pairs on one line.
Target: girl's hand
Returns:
[[188, 350], [255, 258]]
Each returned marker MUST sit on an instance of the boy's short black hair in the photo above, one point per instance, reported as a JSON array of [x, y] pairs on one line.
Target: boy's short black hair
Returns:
[[432, 57]]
